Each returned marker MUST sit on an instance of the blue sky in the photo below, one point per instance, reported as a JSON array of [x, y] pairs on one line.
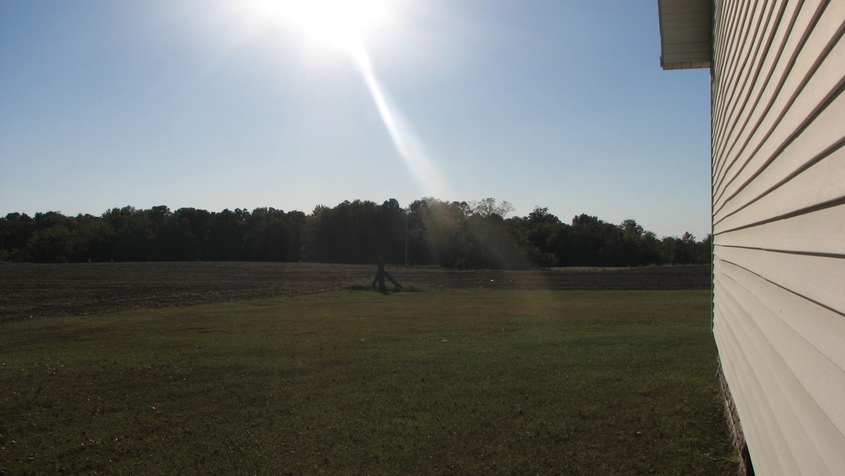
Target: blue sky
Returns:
[[211, 104]]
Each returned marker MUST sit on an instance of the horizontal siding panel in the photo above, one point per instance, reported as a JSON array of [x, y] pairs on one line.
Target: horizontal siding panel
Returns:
[[820, 327], [767, 416], [765, 87], [808, 233], [791, 33], [802, 18], [789, 109], [741, 88], [824, 131], [810, 396], [738, 64], [821, 183], [762, 434], [720, 39], [728, 37], [816, 278], [778, 201], [801, 340]]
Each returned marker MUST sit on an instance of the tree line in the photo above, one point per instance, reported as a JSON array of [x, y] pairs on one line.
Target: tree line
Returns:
[[428, 232]]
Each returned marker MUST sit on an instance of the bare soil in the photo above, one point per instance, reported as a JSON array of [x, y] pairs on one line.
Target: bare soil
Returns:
[[36, 291]]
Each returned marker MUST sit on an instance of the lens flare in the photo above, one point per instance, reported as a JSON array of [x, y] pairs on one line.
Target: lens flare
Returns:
[[335, 22], [401, 132], [343, 24]]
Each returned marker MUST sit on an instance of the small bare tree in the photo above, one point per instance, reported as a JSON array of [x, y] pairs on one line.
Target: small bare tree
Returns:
[[489, 206]]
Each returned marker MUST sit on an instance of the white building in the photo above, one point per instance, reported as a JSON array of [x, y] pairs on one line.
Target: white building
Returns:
[[778, 211]]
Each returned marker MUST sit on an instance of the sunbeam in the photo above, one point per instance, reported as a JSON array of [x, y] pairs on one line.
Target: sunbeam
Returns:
[[343, 25], [401, 132]]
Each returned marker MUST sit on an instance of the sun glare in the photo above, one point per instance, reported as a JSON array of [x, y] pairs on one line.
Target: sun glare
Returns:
[[344, 24], [338, 23]]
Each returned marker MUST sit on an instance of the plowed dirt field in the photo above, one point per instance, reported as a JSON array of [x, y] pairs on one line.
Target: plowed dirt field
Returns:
[[36, 291]]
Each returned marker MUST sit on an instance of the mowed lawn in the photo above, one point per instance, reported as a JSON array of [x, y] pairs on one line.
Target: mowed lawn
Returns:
[[465, 382]]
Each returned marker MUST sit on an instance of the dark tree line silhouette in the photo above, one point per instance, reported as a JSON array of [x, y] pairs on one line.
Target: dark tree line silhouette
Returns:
[[428, 232]]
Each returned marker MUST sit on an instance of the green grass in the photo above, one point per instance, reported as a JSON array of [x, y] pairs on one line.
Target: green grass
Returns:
[[358, 382]]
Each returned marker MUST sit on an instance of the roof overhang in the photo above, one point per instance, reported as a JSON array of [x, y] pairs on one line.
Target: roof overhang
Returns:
[[685, 33]]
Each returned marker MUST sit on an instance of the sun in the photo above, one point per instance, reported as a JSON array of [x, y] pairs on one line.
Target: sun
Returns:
[[347, 25], [338, 23]]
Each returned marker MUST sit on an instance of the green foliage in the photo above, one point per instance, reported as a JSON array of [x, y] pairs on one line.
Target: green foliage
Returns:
[[360, 383], [355, 232], [428, 232]]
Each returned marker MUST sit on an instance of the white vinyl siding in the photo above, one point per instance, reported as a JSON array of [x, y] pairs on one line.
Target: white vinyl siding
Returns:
[[778, 198]]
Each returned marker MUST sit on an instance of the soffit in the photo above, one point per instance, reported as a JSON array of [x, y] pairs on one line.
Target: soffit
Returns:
[[685, 33]]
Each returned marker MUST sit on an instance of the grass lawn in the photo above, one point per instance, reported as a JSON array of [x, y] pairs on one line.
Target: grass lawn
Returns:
[[472, 382]]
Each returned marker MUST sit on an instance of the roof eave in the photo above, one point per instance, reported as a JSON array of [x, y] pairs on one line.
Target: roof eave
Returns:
[[685, 33]]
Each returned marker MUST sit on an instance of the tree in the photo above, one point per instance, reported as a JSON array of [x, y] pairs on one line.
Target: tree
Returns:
[[430, 231], [133, 234], [188, 235], [49, 245], [489, 206], [543, 238], [492, 244], [296, 226], [15, 231], [90, 238], [630, 226], [318, 236], [392, 225], [703, 253], [439, 232], [267, 236], [226, 232], [588, 241]]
